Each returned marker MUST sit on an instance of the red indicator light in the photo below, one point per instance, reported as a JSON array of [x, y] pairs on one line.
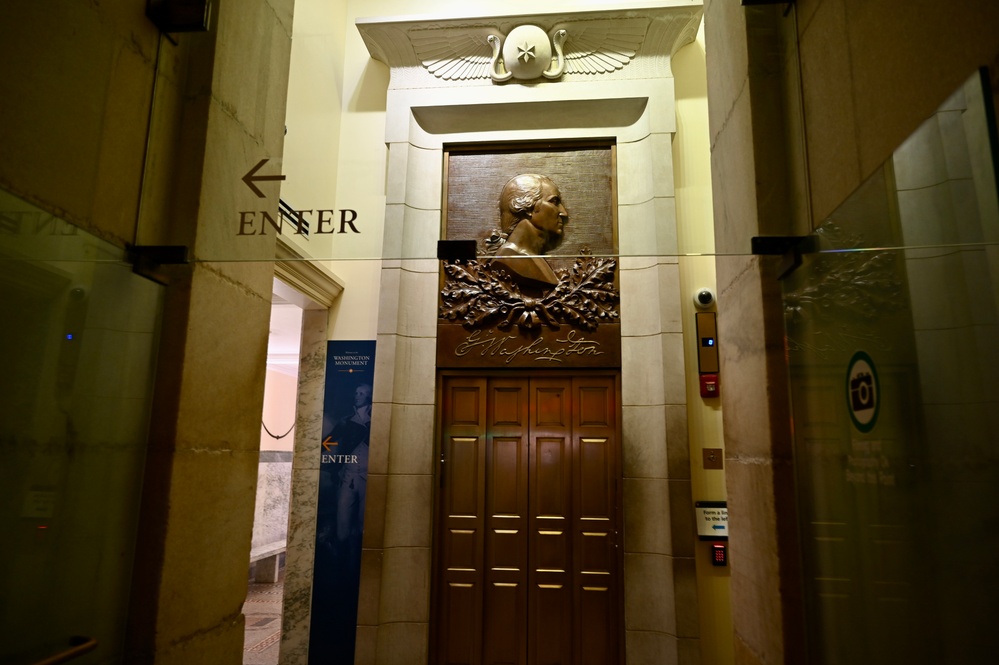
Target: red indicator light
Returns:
[[719, 554]]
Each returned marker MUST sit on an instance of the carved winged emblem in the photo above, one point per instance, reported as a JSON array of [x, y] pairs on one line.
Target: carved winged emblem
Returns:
[[528, 52]]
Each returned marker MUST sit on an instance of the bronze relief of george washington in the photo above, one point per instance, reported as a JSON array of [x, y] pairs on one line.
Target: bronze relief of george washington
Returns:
[[533, 219]]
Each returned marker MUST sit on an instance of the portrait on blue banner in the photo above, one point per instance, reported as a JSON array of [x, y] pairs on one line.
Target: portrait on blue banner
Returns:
[[343, 479]]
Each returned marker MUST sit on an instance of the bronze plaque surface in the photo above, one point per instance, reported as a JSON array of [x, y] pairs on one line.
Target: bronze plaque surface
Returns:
[[543, 289], [475, 180]]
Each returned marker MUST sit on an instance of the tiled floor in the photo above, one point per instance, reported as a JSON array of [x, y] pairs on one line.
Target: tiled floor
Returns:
[[263, 622]]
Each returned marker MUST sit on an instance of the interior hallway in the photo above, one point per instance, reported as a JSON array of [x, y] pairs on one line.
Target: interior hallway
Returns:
[[262, 611]]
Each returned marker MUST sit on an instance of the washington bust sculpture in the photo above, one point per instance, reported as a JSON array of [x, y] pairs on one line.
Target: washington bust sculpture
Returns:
[[533, 219]]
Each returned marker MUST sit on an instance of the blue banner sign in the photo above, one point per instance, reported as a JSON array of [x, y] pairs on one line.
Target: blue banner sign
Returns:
[[343, 479]]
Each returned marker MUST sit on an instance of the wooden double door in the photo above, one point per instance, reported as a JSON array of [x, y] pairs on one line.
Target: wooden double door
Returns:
[[526, 551]]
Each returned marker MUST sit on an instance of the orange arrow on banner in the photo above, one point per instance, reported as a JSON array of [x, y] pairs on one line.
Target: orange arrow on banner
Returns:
[[327, 443]]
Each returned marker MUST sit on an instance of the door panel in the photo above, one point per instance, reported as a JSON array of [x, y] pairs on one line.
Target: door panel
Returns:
[[463, 520], [550, 598], [596, 575], [527, 556], [506, 509]]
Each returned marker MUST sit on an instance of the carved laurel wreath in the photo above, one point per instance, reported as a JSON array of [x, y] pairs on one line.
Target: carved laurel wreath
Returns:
[[477, 295]]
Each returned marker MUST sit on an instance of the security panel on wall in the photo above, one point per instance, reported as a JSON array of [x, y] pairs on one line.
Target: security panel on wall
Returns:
[[707, 352]]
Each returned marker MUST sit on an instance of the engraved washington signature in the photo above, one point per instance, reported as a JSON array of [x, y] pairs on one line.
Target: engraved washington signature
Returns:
[[541, 349]]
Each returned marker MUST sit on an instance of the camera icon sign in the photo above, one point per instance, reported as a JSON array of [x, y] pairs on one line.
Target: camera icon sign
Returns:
[[863, 392]]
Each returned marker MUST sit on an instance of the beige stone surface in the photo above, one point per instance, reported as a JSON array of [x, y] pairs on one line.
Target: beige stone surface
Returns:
[[374, 510], [638, 287], [685, 583], [727, 61], [643, 449], [637, 184], [403, 644], [650, 647], [648, 593], [394, 220], [222, 644], [381, 425], [388, 296], [641, 371], [412, 440], [638, 231], [830, 108], [197, 591], [408, 511], [366, 646], [681, 509], [735, 203], [646, 507], [418, 300], [405, 586], [677, 444], [756, 578], [371, 575], [689, 651], [667, 244]]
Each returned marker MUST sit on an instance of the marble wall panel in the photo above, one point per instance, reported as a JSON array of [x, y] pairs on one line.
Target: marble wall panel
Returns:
[[270, 516], [756, 617], [300, 555]]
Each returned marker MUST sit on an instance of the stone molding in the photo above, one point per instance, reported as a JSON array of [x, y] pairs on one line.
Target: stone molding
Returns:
[[628, 41], [308, 277]]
